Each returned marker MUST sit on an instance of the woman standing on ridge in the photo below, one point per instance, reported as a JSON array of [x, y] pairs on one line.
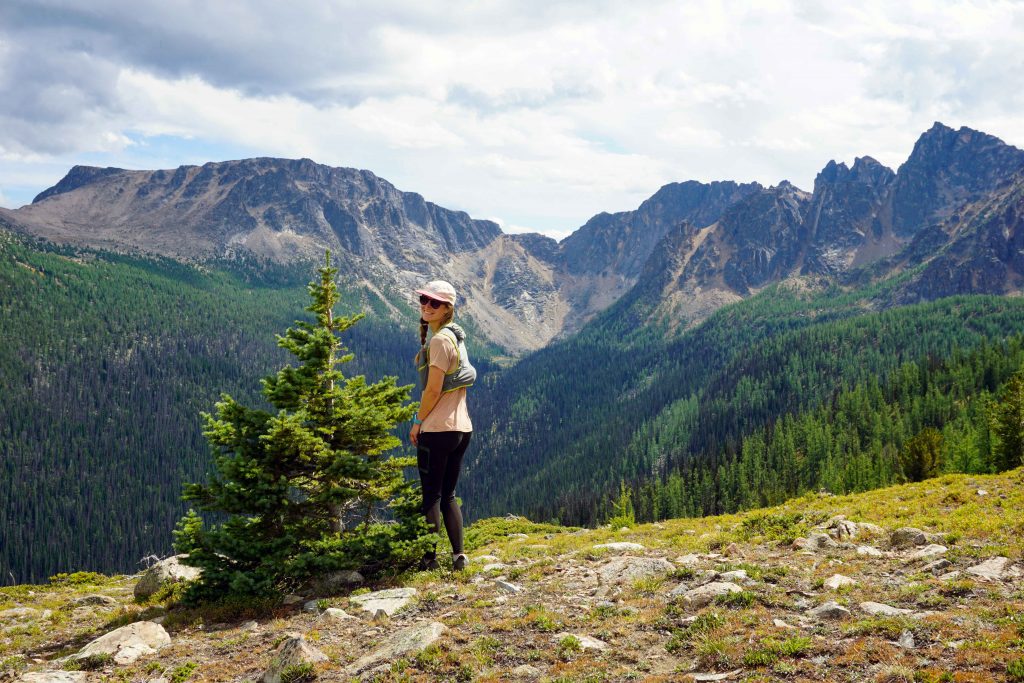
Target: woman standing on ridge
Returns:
[[442, 429]]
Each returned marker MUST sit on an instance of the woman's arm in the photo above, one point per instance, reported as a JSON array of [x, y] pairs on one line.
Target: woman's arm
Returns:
[[431, 395]]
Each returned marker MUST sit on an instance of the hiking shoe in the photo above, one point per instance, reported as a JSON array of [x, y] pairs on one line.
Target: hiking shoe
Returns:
[[460, 562], [429, 562]]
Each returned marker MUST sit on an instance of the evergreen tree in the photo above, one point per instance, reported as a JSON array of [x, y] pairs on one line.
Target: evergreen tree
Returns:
[[306, 489], [922, 456], [1008, 424]]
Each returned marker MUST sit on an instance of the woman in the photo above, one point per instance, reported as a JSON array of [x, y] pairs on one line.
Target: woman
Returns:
[[442, 429]]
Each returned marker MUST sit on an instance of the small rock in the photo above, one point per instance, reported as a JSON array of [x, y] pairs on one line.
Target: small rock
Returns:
[[390, 600], [906, 640], [907, 537], [688, 560], [170, 570], [950, 576], [336, 614], [508, 587], [486, 559], [54, 677], [249, 626], [620, 546], [829, 610], [982, 492], [991, 569], [868, 551], [820, 542], [293, 651], [929, 551], [732, 550], [586, 642], [625, 569], [705, 595], [526, 671], [407, 641], [292, 599], [878, 609], [312, 606], [494, 566], [87, 600], [736, 576], [706, 678], [936, 566], [520, 536], [128, 643], [837, 581], [779, 623]]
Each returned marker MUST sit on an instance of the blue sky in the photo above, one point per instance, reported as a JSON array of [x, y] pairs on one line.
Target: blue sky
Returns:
[[537, 114]]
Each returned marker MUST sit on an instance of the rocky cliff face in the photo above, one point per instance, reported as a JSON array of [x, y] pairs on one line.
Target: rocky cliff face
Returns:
[[689, 249]]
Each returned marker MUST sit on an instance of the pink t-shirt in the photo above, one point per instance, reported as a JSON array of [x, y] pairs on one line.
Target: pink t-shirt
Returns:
[[451, 414]]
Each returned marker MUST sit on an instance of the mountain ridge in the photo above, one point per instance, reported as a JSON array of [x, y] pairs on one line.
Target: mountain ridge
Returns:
[[527, 290]]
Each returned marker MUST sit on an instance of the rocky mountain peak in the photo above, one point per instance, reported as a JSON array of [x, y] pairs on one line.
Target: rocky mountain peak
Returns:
[[946, 169]]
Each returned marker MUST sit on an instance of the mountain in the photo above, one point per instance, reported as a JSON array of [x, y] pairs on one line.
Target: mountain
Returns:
[[526, 290]]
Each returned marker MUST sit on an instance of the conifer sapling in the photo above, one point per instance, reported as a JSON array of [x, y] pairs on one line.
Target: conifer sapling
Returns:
[[309, 488]]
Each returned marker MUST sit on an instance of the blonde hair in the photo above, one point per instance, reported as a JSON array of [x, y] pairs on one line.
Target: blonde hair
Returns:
[[424, 325]]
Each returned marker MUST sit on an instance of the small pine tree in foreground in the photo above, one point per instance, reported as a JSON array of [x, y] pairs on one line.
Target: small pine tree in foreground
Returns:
[[309, 488]]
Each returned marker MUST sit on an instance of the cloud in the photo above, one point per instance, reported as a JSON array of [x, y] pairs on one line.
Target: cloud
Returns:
[[541, 112]]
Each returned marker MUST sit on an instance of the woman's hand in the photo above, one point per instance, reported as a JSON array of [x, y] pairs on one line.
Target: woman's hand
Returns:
[[414, 435]]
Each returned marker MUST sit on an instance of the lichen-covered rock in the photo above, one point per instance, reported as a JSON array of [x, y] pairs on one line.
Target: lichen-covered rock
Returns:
[[292, 652], [408, 641], [837, 581], [878, 609], [389, 601], [626, 569], [829, 610], [907, 537], [620, 546], [991, 569], [163, 572], [705, 595], [128, 643]]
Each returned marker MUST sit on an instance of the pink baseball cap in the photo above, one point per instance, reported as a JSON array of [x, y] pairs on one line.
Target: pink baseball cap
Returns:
[[439, 290]]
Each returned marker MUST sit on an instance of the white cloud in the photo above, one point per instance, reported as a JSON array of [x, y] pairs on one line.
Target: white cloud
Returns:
[[543, 113]]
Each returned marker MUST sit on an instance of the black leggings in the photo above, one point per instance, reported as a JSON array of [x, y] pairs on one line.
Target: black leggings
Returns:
[[439, 458]]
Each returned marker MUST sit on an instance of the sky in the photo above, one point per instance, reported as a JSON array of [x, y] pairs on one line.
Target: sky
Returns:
[[537, 114]]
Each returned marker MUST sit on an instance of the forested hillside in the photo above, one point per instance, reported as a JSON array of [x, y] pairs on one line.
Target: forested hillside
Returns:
[[620, 403], [106, 363]]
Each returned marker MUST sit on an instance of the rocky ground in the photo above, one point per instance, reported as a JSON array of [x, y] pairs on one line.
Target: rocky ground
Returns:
[[923, 582]]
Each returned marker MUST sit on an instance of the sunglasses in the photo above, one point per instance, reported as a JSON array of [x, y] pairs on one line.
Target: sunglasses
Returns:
[[434, 303]]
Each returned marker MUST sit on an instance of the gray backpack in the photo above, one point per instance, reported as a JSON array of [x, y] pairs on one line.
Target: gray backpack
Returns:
[[464, 373]]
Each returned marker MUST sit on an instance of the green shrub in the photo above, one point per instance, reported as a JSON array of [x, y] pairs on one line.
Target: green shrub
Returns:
[[1015, 670], [182, 673], [484, 531], [300, 673], [79, 579]]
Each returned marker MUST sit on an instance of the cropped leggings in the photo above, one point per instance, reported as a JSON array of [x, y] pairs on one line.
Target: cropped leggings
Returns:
[[439, 458]]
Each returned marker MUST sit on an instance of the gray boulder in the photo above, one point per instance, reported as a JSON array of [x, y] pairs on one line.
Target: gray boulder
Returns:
[[626, 569], [389, 601], [408, 641], [829, 610], [128, 643], [705, 595], [908, 537], [991, 569], [293, 651], [54, 677], [164, 572], [878, 609]]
